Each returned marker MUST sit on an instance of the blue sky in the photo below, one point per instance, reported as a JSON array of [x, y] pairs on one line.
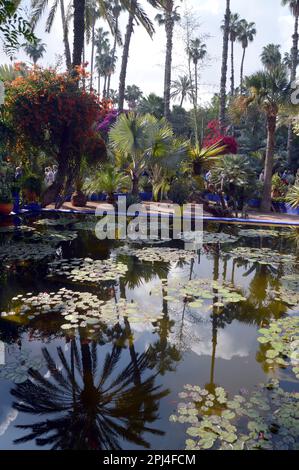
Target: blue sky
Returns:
[[146, 67]]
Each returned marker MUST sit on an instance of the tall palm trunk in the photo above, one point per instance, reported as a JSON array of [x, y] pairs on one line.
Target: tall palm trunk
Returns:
[[232, 80], [169, 25], [113, 54], [242, 70], [293, 79], [222, 114], [79, 30], [196, 83], [271, 129], [124, 63], [67, 50], [92, 53]]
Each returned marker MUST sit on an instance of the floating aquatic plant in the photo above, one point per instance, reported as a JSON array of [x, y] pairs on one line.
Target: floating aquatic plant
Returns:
[[210, 238], [195, 292], [87, 270], [155, 254], [80, 309], [62, 221], [23, 251], [17, 369], [282, 337], [260, 233], [265, 256], [283, 294], [267, 419]]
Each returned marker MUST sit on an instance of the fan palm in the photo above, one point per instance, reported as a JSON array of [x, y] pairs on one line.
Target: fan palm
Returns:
[[293, 197], [246, 35], [271, 56], [182, 89], [88, 408], [168, 18], [142, 141], [152, 104]]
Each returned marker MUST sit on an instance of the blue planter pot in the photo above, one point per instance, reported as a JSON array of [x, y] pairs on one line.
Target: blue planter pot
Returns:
[[16, 202], [146, 196], [255, 203], [290, 210], [33, 207]]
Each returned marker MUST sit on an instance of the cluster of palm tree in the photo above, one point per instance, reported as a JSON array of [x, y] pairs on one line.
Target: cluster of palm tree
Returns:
[[85, 13], [242, 31]]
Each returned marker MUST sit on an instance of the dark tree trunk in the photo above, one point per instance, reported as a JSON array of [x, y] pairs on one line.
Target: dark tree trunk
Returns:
[[169, 25], [232, 88], [67, 50], [92, 54], [79, 30], [124, 64], [135, 185], [271, 129], [222, 114], [242, 69], [113, 54], [293, 79]]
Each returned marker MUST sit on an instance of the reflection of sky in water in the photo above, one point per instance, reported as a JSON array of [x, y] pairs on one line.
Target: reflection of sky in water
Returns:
[[235, 347]]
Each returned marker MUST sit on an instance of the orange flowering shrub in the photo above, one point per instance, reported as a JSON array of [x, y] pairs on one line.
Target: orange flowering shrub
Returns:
[[50, 112]]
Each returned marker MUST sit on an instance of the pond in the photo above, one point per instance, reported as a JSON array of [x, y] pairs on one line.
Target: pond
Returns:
[[121, 345]]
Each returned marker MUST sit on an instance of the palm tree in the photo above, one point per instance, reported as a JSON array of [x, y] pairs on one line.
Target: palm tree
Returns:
[[38, 7], [116, 9], [271, 57], [197, 52], [247, 32], [136, 13], [294, 7], [152, 104], [133, 95], [140, 141], [102, 46], [182, 89], [233, 34], [35, 50], [91, 16], [222, 111], [89, 407], [168, 18], [79, 31], [268, 89]]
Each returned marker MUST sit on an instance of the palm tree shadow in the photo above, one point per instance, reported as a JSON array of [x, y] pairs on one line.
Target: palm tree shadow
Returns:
[[88, 407]]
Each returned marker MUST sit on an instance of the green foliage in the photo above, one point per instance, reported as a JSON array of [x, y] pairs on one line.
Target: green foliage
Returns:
[[108, 179], [293, 196], [146, 143], [180, 190], [6, 180], [33, 183], [13, 26], [234, 173], [278, 186]]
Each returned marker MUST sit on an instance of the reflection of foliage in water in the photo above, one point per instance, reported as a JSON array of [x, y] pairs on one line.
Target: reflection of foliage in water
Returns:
[[88, 407], [266, 419]]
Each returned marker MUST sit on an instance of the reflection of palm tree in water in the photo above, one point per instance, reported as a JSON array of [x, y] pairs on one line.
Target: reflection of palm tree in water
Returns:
[[90, 410]]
